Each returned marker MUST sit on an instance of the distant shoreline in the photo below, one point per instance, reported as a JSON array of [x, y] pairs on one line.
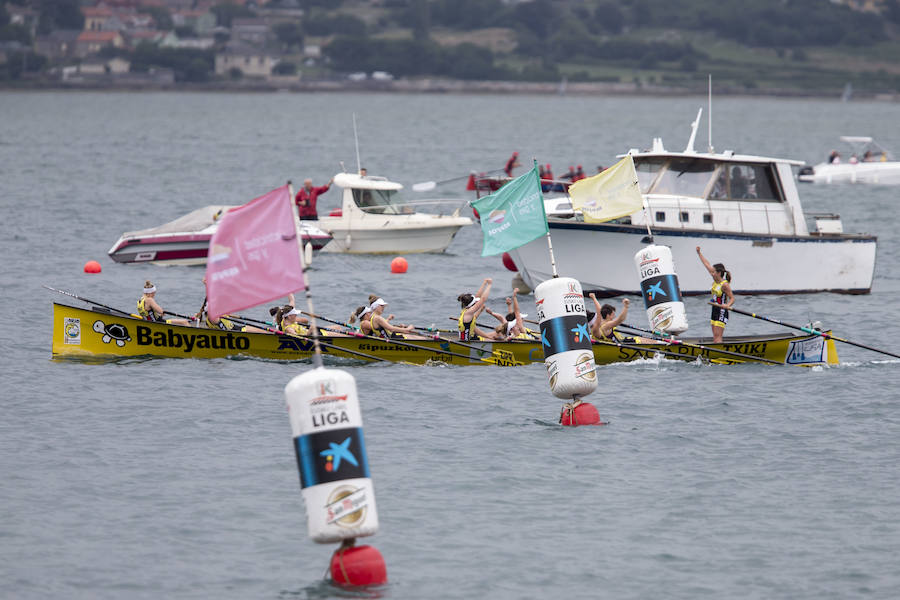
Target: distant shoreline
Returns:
[[427, 86]]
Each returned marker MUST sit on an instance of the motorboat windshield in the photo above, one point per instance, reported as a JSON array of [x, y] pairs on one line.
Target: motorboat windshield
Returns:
[[386, 202]]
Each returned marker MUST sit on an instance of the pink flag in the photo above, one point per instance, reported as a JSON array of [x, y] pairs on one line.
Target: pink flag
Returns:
[[254, 255]]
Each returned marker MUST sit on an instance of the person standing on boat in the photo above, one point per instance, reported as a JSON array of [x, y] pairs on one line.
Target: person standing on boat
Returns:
[[306, 199], [150, 310], [471, 306], [511, 164], [721, 295]]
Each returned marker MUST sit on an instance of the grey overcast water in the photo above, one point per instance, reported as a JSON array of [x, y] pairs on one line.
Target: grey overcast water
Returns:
[[177, 478]]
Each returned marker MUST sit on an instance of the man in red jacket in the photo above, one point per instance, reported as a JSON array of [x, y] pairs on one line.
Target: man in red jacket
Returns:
[[306, 199]]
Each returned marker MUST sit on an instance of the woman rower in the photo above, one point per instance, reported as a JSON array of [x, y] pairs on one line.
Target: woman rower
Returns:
[[471, 306], [721, 295], [150, 310], [376, 324]]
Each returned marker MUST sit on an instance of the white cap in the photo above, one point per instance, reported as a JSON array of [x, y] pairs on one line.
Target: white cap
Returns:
[[377, 303], [293, 312], [150, 290], [474, 300]]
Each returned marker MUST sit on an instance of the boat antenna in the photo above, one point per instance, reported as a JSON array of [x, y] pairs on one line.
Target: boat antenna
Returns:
[[314, 330], [356, 140], [709, 113], [343, 168]]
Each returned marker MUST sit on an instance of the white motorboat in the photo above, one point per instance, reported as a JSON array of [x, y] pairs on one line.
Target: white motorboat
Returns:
[[743, 210], [185, 241], [373, 219], [867, 162]]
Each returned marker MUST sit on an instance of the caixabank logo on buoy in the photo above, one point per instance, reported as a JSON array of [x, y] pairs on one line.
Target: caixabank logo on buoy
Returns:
[[331, 455]]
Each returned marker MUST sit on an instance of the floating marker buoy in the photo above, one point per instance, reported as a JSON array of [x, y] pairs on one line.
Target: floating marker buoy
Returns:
[[399, 265], [331, 455], [583, 413], [565, 337], [358, 565], [509, 263], [307, 254], [659, 286], [92, 266]]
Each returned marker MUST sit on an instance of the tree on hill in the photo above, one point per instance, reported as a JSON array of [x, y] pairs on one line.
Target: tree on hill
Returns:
[[59, 14], [227, 12]]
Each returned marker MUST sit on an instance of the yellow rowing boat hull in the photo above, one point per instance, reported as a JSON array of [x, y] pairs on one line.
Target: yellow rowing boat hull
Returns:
[[85, 333]]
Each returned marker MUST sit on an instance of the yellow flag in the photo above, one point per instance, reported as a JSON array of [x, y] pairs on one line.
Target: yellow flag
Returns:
[[609, 195]]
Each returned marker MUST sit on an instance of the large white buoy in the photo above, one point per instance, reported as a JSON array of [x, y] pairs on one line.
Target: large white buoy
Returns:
[[566, 338], [659, 286], [331, 455]]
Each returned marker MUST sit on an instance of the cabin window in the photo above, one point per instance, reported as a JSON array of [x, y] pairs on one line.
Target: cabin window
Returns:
[[707, 217], [660, 216], [647, 169], [737, 181], [685, 177], [684, 217], [378, 201]]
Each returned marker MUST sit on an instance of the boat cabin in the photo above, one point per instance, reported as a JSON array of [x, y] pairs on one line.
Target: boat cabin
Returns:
[[371, 195]]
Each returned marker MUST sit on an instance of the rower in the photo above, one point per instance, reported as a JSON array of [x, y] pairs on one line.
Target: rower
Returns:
[[604, 328], [150, 310], [471, 305], [375, 323]]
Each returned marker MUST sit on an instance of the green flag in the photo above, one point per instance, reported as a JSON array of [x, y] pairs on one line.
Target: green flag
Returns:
[[513, 215]]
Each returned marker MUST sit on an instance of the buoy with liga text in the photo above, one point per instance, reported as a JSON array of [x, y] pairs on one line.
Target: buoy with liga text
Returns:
[[399, 265], [326, 423], [92, 266], [568, 354]]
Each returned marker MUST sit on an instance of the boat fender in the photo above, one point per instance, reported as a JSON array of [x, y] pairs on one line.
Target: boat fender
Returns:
[[659, 287], [331, 455], [565, 337]]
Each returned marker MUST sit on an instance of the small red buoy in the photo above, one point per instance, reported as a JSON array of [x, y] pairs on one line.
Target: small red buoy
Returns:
[[509, 263], [399, 265], [583, 413], [92, 266], [358, 565]]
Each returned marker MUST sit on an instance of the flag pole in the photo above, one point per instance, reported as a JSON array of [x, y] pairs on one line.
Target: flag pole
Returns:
[[314, 330], [549, 241]]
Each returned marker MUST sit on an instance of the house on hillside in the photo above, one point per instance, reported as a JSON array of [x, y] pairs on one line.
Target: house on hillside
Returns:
[[95, 17], [99, 67], [251, 61], [91, 42], [250, 31]]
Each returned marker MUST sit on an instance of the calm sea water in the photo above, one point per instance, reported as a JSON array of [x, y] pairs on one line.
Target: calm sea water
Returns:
[[176, 478]]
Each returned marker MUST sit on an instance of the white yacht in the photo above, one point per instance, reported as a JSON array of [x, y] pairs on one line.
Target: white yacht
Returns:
[[742, 210], [373, 219], [865, 162]]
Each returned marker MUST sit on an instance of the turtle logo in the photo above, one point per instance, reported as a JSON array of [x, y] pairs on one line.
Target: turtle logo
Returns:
[[113, 331]]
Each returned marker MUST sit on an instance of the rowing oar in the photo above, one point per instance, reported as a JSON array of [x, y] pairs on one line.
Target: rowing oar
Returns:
[[64, 293], [827, 336], [401, 343], [483, 326], [321, 343], [451, 341], [669, 339], [427, 186]]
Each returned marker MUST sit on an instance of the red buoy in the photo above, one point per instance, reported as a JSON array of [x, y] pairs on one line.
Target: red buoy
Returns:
[[92, 266], [509, 263], [358, 565], [583, 413], [399, 265]]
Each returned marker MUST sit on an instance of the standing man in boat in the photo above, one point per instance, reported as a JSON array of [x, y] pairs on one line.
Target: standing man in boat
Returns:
[[306, 199]]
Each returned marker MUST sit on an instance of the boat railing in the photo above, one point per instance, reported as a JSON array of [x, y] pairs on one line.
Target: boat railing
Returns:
[[454, 205]]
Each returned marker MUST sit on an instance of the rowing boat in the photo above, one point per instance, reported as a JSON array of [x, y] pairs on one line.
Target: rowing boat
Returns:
[[97, 332]]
